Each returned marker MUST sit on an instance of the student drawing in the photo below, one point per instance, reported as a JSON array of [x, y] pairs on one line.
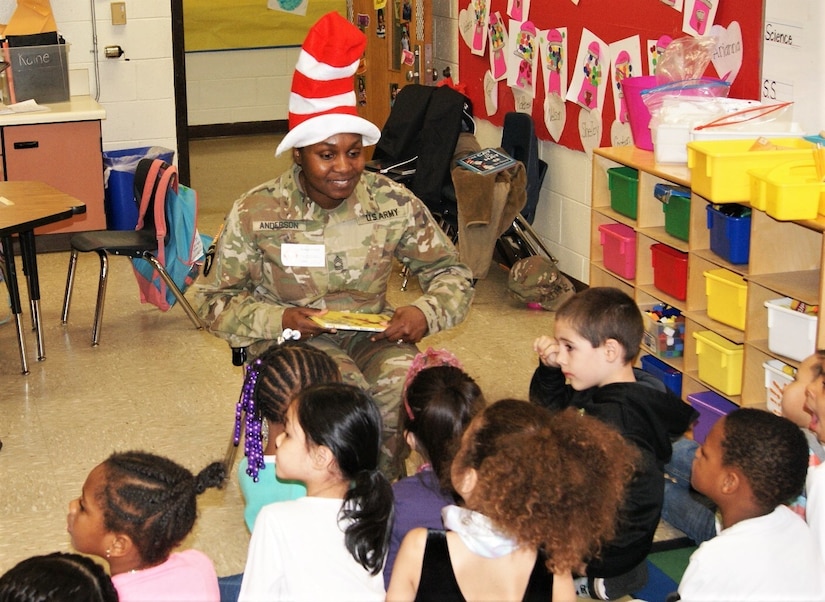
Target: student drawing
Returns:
[[699, 16], [522, 64], [655, 48], [626, 60], [498, 44], [622, 68], [481, 11], [518, 10], [588, 92], [555, 53], [589, 78]]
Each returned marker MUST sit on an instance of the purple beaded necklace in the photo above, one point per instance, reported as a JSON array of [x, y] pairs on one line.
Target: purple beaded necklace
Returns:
[[253, 435]]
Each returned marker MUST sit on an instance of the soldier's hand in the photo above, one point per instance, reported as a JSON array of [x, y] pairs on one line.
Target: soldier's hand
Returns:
[[297, 318], [408, 325]]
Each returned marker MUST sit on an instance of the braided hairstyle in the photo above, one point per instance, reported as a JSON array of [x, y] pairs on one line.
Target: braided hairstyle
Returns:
[[57, 577], [271, 381], [152, 500], [346, 420]]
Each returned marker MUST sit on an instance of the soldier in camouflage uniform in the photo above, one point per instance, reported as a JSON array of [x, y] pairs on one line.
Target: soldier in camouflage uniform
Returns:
[[323, 236], [253, 293]]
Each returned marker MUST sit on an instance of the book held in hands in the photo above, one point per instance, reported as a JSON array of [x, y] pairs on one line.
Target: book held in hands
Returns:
[[487, 160]]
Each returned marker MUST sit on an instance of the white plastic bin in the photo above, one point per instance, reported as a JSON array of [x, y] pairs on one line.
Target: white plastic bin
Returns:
[[778, 375], [790, 333]]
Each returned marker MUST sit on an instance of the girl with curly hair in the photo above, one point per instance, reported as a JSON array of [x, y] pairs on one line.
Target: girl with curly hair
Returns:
[[134, 509], [541, 492]]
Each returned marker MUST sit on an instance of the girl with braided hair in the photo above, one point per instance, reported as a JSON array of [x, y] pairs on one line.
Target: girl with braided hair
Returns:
[[57, 577], [134, 509], [272, 380], [329, 545]]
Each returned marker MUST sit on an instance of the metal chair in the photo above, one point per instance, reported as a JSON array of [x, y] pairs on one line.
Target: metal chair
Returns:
[[135, 244]]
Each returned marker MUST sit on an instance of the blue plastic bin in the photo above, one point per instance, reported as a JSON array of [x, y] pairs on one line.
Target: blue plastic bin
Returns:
[[669, 375], [730, 236], [120, 204]]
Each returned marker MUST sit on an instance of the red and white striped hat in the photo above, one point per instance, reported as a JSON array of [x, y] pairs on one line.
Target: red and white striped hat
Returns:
[[322, 101]]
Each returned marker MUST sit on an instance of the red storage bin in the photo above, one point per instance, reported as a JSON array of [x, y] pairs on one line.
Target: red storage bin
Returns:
[[670, 270], [619, 246]]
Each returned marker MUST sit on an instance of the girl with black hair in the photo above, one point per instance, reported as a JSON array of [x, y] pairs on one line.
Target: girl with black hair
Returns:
[[57, 577], [134, 509], [271, 381], [439, 401], [331, 544]]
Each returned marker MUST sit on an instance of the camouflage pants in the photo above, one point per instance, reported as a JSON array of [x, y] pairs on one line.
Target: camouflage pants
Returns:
[[380, 369]]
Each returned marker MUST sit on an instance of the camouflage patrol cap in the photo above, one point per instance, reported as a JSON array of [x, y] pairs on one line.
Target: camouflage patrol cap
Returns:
[[536, 279]]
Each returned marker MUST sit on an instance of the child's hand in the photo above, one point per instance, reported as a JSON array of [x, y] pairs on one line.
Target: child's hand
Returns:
[[548, 349]]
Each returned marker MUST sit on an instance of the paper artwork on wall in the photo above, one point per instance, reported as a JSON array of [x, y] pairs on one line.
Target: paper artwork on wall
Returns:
[[625, 61], [497, 32], [727, 56], [518, 10], [553, 52], [523, 101], [620, 134], [675, 4], [555, 115], [655, 48], [490, 94], [589, 79], [522, 64], [293, 7], [590, 129], [698, 16], [472, 24]]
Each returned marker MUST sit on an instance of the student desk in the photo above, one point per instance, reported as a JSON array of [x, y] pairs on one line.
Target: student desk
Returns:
[[23, 207]]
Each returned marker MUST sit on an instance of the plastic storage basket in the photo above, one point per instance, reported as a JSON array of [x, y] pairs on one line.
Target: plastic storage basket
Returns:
[[720, 362], [727, 294], [790, 333], [624, 185]]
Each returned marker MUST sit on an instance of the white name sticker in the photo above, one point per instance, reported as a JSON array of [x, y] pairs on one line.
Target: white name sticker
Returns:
[[307, 256]]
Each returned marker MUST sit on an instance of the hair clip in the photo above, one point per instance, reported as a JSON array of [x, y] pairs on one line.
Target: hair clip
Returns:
[[289, 335]]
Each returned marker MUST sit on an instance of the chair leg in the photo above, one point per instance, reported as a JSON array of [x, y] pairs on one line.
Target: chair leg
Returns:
[[101, 296], [67, 296], [175, 290]]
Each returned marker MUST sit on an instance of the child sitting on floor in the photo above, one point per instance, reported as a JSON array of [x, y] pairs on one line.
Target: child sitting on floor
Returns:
[[330, 544], [134, 510], [272, 380], [540, 494], [751, 464], [439, 401], [588, 365], [57, 577]]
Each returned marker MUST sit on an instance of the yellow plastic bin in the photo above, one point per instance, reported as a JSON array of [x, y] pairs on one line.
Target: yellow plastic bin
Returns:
[[790, 191], [720, 362], [727, 297], [719, 168]]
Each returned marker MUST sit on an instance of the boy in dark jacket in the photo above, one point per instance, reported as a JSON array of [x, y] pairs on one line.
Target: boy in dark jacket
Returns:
[[588, 364]]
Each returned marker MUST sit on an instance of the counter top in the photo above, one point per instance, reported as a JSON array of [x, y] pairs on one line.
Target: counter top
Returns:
[[77, 108]]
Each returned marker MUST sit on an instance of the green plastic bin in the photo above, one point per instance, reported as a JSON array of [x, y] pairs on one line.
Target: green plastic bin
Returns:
[[677, 216], [624, 185]]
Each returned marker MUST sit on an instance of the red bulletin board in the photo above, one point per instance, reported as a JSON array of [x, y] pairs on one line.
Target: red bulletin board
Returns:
[[611, 21]]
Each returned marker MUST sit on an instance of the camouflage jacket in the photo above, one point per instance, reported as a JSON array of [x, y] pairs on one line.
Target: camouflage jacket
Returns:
[[244, 296]]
